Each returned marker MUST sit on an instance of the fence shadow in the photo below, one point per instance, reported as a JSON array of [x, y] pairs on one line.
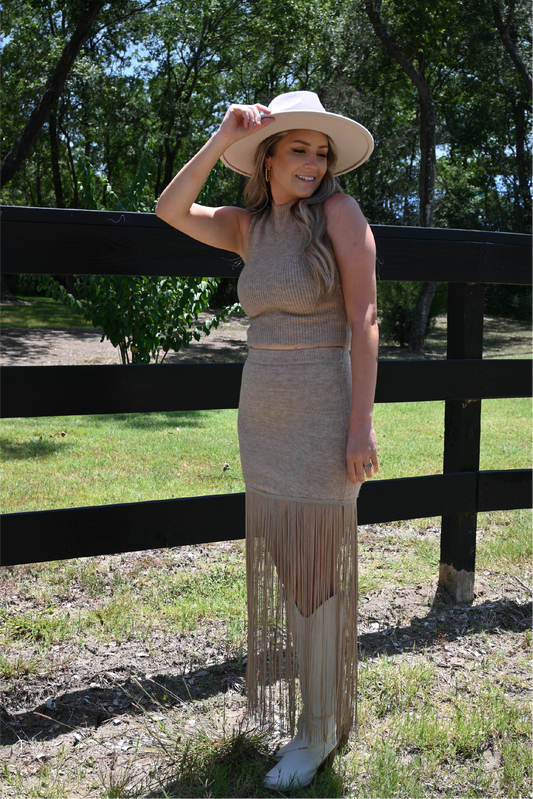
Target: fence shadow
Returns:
[[446, 622], [114, 697]]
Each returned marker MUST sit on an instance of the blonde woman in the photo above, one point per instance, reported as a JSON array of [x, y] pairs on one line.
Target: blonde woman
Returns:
[[305, 415]]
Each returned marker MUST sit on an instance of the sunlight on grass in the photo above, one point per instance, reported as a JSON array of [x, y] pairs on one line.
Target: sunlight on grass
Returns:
[[505, 540], [410, 438], [391, 686], [506, 433], [118, 458], [410, 724], [378, 564], [154, 594], [41, 312]]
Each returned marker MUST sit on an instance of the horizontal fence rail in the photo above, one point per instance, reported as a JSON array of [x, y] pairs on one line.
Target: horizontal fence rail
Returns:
[[72, 390], [64, 241], [109, 529]]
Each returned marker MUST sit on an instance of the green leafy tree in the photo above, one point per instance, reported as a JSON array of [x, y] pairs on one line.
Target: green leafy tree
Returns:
[[144, 316], [40, 113]]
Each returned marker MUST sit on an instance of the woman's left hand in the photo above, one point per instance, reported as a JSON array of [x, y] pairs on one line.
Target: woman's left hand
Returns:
[[361, 453]]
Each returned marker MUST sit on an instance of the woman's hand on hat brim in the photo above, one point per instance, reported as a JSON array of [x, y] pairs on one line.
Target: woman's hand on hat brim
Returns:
[[241, 121]]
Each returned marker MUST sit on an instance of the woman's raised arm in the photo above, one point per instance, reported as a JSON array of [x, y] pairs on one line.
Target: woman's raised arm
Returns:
[[224, 227]]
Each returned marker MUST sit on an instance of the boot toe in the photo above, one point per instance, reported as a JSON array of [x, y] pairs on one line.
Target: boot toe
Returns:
[[296, 770], [298, 767]]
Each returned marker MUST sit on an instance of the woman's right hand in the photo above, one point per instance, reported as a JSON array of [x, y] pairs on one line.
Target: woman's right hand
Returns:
[[244, 120]]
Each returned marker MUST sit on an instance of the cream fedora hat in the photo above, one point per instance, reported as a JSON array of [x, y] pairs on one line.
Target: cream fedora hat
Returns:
[[303, 110]]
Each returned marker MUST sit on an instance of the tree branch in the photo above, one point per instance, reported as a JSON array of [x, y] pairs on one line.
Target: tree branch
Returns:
[[508, 43], [394, 50], [40, 113]]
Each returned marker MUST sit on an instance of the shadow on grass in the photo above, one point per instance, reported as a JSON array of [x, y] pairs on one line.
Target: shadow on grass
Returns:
[[24, 342], [94, 707], [159, 420], [232, 765], [503, 337], [447, 621], [39, 447], [42, 444]]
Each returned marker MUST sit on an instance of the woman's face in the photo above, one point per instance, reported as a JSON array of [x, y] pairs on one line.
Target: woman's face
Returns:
[[298, 165]]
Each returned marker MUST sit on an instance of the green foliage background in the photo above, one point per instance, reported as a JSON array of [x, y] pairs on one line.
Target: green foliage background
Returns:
[[161, 75], [154, 79]]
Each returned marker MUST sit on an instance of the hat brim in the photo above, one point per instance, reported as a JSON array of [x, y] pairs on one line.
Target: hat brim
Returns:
[[353, 142]]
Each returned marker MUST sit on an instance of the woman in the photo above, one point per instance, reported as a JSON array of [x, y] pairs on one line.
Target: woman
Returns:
[[305, 414]]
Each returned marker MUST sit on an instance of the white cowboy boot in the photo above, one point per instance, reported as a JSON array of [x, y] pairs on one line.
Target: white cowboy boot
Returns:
[[301, 758], [298, 626]]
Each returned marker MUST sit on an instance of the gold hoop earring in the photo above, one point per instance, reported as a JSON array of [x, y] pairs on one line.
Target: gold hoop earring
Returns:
[[267, 174]]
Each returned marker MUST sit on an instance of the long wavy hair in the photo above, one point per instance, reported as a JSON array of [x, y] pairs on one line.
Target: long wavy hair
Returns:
[[308, 212]]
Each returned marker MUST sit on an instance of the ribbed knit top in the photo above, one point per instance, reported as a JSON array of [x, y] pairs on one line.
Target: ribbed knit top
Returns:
[[277, 291]]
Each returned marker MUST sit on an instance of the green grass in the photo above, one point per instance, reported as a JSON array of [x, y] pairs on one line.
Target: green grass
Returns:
[[117, 458], [411, 436], [413, 731], [133, 457], [135, 600], [42, 312]]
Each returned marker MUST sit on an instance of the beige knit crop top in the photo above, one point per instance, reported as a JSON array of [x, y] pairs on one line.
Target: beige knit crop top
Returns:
[[277, 291]]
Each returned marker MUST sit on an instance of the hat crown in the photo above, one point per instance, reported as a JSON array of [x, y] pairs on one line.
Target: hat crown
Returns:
[[296, 101]]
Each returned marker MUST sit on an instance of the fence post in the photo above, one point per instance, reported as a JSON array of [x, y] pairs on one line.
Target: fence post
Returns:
[[462, 431]]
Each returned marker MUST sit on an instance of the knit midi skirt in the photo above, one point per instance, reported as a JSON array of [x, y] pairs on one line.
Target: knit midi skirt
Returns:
[[301, 530]]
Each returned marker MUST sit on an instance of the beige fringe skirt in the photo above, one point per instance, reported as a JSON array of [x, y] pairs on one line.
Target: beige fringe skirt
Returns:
[[301, 530]]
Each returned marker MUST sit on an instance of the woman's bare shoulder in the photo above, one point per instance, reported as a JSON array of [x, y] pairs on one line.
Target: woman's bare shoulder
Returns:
[[342, 207], [348, 230]]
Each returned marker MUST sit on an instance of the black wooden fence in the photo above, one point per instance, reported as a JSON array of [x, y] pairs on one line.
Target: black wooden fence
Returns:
[[38, 240]]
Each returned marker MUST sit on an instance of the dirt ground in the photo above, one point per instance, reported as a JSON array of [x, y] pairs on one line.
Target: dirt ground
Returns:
[[96, 705]]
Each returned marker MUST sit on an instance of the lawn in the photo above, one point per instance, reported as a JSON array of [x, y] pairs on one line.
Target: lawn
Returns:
[[41, 312]]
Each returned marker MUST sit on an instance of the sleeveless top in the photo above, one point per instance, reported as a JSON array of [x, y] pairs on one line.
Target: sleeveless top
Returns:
[[278, 293]]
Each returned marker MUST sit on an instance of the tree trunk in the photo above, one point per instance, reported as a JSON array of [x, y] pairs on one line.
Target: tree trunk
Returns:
[[428, 160], [74, 177], [420, 317], [428, 168], [428, 165], [523, 201], [6, 295], [40, 113], [54, 157], [509, 43]]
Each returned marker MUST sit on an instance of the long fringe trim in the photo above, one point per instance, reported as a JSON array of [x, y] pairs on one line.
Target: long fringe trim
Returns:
[[301, 560]]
